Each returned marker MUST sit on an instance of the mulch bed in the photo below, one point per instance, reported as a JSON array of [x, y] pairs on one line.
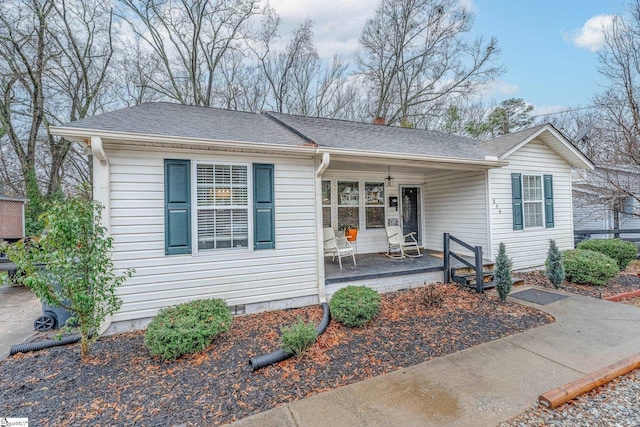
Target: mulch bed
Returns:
[[121, 384], [620, 284]]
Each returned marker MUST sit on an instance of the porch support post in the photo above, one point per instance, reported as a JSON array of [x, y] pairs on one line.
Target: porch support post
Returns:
[[479, 270], [320, 275], [447, 261]]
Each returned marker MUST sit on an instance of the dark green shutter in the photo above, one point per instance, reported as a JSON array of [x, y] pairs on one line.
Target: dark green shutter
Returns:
[[264, 223], [548, 201], [516, 195], [177, 206]]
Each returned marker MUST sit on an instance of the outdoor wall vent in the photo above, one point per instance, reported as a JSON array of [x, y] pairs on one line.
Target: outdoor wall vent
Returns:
[[237, 309]]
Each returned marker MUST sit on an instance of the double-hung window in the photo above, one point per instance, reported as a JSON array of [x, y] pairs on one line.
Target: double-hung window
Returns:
[[374, 204], [326, 204], [222, 206], [349, 204], [532, 201]]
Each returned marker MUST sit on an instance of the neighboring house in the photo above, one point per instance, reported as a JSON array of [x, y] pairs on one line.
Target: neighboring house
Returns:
[[204, 202], [598, 206], [11, 217]]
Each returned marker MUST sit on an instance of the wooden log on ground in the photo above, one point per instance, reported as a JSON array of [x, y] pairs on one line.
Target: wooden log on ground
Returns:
[[556, 397]]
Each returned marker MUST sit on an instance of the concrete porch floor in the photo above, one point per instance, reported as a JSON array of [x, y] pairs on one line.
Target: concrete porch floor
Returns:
[[376, 265]]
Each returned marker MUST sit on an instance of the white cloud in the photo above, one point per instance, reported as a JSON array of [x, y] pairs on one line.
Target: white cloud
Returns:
[[591, 35], [337, 23], [541, 110], [497, 89]]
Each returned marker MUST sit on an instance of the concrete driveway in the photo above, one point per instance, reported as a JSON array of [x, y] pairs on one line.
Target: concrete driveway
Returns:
[[19, 307]]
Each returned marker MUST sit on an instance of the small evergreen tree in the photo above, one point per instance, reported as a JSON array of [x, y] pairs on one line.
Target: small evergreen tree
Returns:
[[503, 273], [555, 267]]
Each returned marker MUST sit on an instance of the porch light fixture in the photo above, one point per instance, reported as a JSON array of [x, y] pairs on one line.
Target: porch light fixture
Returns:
[[388, 179]]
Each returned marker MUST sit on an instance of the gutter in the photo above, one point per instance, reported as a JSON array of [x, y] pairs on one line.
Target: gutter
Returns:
[[487, 161], [79, 135], [326, 158]]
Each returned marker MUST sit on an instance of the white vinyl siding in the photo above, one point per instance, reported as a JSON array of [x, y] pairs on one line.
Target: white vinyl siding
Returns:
[[456, 203], [238, 277], [528, 248]]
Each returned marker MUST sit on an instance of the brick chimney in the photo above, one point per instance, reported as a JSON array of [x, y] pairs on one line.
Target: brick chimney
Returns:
[[379, 121]]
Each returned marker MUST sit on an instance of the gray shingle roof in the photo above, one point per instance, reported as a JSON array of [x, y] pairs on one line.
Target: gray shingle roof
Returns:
[[500, 145], [166, 119], [344, 134]]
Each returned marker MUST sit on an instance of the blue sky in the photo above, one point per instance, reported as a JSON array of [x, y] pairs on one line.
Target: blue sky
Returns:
[[551, 61], [545, 66]]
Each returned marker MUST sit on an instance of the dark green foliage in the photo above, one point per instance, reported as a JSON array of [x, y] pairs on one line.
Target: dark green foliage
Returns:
[[187, 328], [555, 267], [354, 306], [298, 337], [502, 275], [622, 251], [589, 267]]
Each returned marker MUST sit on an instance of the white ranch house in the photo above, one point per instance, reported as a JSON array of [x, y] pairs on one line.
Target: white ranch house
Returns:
[[204, 202]]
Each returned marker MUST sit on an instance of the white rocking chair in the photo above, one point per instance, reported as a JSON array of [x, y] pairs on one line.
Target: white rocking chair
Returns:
[[337, 246], [399, 244]]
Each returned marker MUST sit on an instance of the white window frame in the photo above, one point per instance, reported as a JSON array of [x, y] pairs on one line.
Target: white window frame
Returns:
[[195, 207], [541, 202]]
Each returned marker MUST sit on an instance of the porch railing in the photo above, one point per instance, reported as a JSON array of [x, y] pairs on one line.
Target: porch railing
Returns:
[[580, 235], [477, 266]]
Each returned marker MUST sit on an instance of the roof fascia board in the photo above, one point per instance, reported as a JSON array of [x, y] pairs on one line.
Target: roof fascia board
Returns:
[[587, 164], [78, 135]]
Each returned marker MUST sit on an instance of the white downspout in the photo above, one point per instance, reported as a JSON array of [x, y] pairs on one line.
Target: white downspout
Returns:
[[102, 194], [319, 236]]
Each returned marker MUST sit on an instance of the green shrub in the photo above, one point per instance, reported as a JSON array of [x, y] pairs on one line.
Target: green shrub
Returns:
[[555, 268], [298, 337], [589, 267], [354, 306], [503, 273], [187, 328], [622, 251]]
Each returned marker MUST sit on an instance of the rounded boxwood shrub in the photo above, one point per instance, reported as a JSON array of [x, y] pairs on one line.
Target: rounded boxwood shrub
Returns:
[[589, 267], [298, 337], [354, 306], [187, 328], [622, 251]]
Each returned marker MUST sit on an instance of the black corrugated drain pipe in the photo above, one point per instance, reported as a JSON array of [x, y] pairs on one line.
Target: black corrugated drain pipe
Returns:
[[41, 345], [261, 361]]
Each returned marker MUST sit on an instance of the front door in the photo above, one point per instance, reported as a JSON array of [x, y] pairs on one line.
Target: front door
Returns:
[[410, 211]]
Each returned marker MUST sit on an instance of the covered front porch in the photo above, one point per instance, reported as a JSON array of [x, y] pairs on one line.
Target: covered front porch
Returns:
[[378, 265]]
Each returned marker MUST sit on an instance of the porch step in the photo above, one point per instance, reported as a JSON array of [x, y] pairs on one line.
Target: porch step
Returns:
[[472, 276]]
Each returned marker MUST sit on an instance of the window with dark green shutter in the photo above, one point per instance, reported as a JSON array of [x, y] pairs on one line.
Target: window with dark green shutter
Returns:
[[548, 201], [516, 196], [177, 206], [263, 206]]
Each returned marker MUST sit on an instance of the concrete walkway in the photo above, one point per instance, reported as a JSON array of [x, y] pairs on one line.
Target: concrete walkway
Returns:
[[19, 307], [480, 386]]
